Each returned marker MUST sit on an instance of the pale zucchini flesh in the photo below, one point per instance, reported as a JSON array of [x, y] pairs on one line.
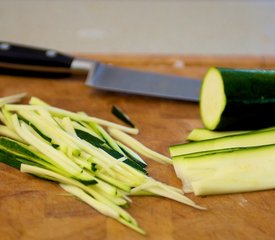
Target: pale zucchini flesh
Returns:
[[212, 99]]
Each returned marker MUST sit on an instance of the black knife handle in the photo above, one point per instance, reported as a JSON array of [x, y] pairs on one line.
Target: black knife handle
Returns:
[[26, 55], [26, 60]]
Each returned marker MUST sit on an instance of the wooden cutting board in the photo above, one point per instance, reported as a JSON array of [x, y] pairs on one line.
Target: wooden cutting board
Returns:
[[31, 208]]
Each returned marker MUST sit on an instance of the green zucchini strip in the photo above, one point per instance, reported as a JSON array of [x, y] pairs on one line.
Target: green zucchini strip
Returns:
[[200, 134], [5, 131], [122, 116], [102, 208], [37, 101], [161, 189], [12, 98], [138, 147]]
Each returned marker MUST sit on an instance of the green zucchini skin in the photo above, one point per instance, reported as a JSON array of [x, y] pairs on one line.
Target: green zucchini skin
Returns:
[[250, 99]]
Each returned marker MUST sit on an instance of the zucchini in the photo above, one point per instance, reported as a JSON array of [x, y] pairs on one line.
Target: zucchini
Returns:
[[122, 116], [238, 99], [138, 147], [12, 99], [242, 170], [249, 139], [199, 134]]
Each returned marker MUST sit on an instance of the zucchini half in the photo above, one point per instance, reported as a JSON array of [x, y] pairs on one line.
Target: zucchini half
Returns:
[[238, 99]]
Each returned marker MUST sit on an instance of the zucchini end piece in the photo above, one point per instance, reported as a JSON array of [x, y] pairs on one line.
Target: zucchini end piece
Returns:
[[212, 99]]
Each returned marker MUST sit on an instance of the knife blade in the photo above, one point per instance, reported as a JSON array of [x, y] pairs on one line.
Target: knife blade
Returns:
[[26, 60]]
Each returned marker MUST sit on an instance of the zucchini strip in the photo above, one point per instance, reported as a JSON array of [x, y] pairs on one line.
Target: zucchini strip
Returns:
[[164, 190], [134, 156], [5, 131], [102, 208], [37, 101], [138, 147], [122, 116], [12, 98], [200, 134]]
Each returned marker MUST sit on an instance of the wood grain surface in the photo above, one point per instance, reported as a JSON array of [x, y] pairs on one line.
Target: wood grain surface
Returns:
[[31, 208]]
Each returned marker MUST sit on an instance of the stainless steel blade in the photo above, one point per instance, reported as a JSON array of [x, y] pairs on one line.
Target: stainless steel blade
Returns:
[[108, 77]]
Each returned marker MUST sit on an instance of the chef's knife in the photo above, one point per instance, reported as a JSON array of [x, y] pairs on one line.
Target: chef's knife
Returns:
[[26, 59]]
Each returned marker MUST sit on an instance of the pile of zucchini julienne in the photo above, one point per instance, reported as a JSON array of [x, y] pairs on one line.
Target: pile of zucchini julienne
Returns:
[[235, 152], [93, 159]]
